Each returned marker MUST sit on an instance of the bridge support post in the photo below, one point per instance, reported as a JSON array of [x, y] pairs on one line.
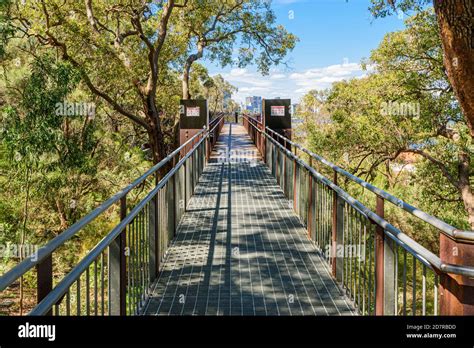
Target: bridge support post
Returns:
[[379, 260], [170, 204], [456, 291], [389, 276], [153, 238], [337, 236], [384, 267], [44, 279], [117, 268]]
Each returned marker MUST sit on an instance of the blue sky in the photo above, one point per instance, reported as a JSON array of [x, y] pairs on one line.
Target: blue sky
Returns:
[[334, 36]]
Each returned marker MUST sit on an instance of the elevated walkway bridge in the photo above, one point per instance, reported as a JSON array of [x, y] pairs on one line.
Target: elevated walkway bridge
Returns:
[[243, 224]]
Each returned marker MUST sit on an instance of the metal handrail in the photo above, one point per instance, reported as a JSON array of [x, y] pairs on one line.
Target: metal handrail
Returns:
[[62, 287], [433, 259], [444, 227], [42, 253]]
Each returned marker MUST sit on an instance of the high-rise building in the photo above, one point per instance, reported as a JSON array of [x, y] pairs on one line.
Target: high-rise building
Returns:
[[253, 104], [227, 99]]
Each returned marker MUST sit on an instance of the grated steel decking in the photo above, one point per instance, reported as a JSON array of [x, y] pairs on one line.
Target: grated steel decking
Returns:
[[249, 257]]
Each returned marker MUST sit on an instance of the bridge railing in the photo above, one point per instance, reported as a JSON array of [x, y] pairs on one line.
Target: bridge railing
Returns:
[[382, 269], [114, 278]]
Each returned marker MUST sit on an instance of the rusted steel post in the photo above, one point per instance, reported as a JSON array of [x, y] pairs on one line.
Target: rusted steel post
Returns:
[[379, 260], [456, 291], [277, 165], [44, 279], [285, 188], [153, 232], [208, 147], [294, 184], [173, 202], [310, 203], [334, 231], [117, 268]]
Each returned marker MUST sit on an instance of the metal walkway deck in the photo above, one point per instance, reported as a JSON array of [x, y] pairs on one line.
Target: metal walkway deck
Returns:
[[249, 257]]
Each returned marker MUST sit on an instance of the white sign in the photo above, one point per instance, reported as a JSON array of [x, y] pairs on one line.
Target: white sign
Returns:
[[193, 112], [277, 111]]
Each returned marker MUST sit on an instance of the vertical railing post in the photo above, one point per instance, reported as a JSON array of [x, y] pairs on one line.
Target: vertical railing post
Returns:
[[153, 236], [208, 147], [117, 268], [170, 198], [175, 201], [334, 231], [379, 260], [389, 276], [294, 182], [337, 235], [285, 188], [44, 271], [309, 225], [185, 184], [456, 291], [385, 259]]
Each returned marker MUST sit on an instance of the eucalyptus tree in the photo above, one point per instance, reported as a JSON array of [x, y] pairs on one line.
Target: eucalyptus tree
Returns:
[[455, 21], [378, 135], [127, 51], [233, 32], [119, 47]]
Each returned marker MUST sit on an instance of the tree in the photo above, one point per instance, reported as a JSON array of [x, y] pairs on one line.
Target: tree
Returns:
[[56, 166], [215, 27], [215, 89], [118, 48], [313, 108], [405, 113], [454, 19], [127, 51]]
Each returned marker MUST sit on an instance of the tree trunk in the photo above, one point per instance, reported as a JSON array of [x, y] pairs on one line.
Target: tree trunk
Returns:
[[456, 29], [157, 145], [154, 130], [187, 69], [465, 188], [186, 72]]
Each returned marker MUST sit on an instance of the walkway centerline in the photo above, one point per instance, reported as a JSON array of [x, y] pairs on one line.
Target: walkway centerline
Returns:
[[240, 249]]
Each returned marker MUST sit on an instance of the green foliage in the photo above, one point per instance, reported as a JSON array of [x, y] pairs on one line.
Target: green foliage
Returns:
[[383, 8], [6, 28], [212, 88], [414, 152], [56, 167], [250, 25]]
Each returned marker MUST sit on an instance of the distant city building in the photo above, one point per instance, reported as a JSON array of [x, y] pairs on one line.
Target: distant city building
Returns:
[[294, 109], [253, 104], [227, 99]]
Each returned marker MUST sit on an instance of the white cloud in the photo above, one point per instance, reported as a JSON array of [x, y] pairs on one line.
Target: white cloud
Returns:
[[277, 76], [293, 85], [238, 72]]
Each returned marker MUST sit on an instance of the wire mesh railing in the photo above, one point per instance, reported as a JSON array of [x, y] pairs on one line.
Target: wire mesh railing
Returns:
[[115, 277], [381, 269]]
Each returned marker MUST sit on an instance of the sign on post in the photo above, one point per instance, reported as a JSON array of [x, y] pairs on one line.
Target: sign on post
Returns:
[[193, 111], [277, 116], [277, 110], [194, 116]]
